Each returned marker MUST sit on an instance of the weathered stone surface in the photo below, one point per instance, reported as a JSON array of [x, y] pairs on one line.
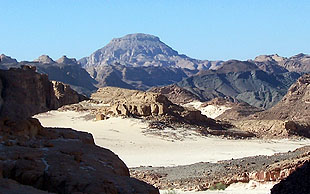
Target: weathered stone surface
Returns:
[[25, 93], [65, 95], [60, 161]]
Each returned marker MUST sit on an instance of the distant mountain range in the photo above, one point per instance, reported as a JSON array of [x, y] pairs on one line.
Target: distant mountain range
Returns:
[[142, 61]]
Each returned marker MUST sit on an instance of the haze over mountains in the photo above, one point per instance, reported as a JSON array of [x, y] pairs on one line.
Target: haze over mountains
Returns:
[[142, 61]]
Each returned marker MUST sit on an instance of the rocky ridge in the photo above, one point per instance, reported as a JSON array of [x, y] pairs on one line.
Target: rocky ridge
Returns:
[[64, 70], [240, 81]]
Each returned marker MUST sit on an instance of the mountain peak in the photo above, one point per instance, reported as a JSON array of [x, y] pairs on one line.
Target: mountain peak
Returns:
[[137, 37], [273, 57], [65, 60], [299, 56], [7, 59], [44, 59]]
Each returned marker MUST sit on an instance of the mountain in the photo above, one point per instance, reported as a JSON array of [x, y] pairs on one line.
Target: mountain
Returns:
[[141, 61], [274, 63], [143, 50], [240, 81], [64, 70], [141, 78], [295, 105]]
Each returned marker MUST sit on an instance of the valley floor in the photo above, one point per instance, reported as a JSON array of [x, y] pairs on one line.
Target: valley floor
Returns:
[[137, 145]]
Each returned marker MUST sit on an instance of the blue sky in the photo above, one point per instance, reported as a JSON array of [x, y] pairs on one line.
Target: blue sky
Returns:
[[203, 29]]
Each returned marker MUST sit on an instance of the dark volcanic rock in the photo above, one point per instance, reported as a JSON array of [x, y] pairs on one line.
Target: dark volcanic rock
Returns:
[[253, 86], [141, 78], [295, 105], [297, 183]]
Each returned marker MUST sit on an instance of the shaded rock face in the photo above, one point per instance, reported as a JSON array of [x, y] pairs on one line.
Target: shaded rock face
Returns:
[[65, 95], [176, 94], [65, 70], [298, 182], [60, 161], [25, 93], [141, 78], [295, 105], [253, 86]]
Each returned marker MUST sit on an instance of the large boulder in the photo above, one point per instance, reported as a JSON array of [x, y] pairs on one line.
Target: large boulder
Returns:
[[60, 161]]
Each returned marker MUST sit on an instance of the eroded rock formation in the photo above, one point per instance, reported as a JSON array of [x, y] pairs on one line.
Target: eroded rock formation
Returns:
[[25, 93]]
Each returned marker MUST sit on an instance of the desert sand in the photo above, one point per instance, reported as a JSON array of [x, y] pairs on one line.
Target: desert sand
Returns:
[[137, 146]]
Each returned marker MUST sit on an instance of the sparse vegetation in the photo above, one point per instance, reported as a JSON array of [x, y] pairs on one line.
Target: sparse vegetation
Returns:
[[218, 186], [171, 192]]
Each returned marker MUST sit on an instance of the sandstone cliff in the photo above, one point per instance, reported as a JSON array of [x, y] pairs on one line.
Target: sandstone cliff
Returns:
[[25, 93]]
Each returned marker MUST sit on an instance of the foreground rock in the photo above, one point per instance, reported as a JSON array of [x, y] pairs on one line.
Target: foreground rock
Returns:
[[25, 93], [60, 161], [298, 182], [201, 176]]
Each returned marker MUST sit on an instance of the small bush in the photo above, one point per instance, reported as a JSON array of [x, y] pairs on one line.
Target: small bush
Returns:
[[171, 192], [218, 186]]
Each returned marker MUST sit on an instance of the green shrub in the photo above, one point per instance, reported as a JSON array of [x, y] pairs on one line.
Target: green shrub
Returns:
[[218, 186]]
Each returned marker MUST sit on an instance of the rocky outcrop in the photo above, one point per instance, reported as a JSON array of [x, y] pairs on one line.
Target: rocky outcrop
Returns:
[[65, 95], [297, 182], [151, 105], [59, 161], [25, 93], [176, 94]]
